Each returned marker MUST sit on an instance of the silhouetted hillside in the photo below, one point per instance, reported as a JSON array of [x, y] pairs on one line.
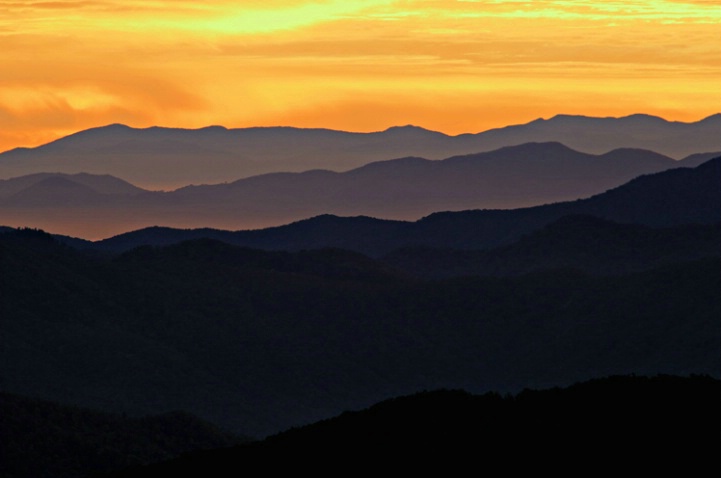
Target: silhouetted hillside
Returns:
[[670, 198], [327, 263], [586, 243], [604, 422], [257, 341], [45, 439], [353, 233]]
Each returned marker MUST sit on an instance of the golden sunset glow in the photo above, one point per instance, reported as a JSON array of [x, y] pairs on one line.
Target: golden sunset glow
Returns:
[[452, 66]]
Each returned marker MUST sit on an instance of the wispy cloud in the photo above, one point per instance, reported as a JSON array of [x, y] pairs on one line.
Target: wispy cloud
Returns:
[[187, 63]]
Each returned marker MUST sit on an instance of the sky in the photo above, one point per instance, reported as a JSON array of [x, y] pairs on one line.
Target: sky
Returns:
[[449, 65]]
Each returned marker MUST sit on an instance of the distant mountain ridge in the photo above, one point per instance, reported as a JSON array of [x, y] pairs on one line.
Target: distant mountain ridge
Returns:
[[669, 198], [406, 188], [103, 184], [168, 158]]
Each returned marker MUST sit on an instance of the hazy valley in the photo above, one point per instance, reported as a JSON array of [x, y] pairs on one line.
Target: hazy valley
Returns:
[[100, 206], [168, 158]]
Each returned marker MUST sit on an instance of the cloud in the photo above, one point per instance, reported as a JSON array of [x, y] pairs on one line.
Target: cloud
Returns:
[[68, 64], [31, 114]]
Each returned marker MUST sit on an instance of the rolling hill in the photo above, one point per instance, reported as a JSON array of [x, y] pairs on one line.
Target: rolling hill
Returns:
[[259, 341], [669, 198], [531, 174]]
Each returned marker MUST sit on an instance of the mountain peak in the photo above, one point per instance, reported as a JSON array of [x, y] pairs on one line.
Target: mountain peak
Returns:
[[409, 128], [113, 127], [641, 117], [636, 117], [541, 146], [405, 127], [562, 116]]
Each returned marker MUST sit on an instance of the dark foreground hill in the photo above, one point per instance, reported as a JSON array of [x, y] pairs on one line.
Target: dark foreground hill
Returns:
[[628, 421], [45, 439], [670, 198], [257, 342], [584, 243]]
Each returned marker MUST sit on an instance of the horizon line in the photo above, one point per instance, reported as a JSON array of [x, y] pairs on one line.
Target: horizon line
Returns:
[[397, 126]]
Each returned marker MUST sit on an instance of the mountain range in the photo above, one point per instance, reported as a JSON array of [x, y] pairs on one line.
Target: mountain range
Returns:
[[668, 198], [529, 266], [94, 206], [258, 341], [169, 158]]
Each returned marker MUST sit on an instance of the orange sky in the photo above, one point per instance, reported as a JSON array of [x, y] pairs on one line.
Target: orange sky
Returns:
[[452, 66]]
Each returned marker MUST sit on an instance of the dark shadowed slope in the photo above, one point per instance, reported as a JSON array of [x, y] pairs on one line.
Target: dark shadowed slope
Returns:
[[353, 233], [585, 243], [166, 158], [607, 422], [45, 439], [258, 341], [674, 197]]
